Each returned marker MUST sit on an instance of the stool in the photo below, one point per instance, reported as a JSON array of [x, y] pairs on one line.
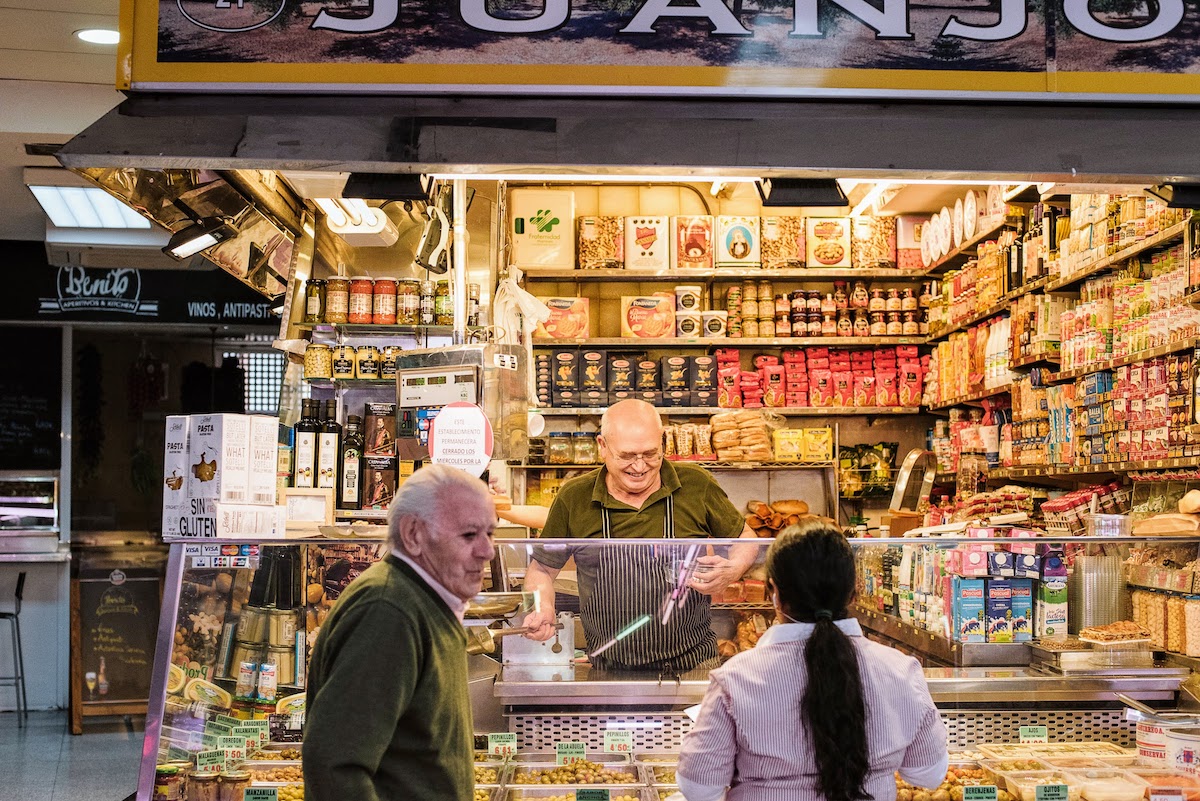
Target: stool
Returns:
[[17, 680]]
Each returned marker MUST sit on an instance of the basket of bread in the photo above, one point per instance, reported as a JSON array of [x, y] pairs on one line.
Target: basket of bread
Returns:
[[768, 519], [742, 436]]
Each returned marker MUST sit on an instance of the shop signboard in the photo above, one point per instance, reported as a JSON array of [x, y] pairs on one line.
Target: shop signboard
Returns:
[[781, 48], [74, 294]]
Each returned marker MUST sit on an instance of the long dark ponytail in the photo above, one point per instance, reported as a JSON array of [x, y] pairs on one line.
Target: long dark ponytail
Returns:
[[812, 568]]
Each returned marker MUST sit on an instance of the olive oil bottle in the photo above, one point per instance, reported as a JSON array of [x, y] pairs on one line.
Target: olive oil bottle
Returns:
[[305, 471], [349, 494], [329, 448]]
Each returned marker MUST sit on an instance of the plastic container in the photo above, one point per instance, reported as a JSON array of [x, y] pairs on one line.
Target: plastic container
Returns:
[[1108, 525], [715, 323], [583, 448], [1024, 784], [687, 298], [688, 324], [1109, 784], [1164, 778], [559, 449]]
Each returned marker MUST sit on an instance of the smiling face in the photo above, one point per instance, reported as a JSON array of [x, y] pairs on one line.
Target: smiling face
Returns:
[[457, 546], [632, 448]]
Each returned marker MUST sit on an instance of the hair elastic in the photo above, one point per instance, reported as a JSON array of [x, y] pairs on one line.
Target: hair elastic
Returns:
[[823, 614]]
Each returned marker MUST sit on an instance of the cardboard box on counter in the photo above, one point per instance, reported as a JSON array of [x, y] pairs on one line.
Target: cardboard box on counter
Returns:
[[219, 457], [175, 472]]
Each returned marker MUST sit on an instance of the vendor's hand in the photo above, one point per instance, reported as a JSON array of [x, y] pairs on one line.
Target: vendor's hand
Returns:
[[541, 625], [713, 574]]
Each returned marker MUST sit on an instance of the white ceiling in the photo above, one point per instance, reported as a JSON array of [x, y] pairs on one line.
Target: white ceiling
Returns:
[[52, 86]]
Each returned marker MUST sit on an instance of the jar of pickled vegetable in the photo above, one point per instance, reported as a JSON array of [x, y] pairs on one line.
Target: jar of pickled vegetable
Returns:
[[443, 304], [168, 783], [427, 308], [583, 448], [383, 309], [318, 361], [203, 786], [337, 300], [408, 302], [559, 448], [233, 785], [362, 300], [314, 301]]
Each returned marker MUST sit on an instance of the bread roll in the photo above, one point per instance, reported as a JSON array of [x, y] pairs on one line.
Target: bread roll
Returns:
[[790, 507]]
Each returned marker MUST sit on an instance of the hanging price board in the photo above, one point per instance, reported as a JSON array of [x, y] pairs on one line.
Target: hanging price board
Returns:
[[502, 744], [263, 727], [618, 741], [571, 751], [249, 735], [1033, 734], [233, 746]]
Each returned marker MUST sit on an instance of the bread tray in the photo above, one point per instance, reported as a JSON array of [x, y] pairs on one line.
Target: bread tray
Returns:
[[1115, 642]]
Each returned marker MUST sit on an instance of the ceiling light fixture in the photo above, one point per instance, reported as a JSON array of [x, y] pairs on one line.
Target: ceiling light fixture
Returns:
[[85, 207], [198, 236], [1177, 196], [357, 223], [801, 192], [100, 36]]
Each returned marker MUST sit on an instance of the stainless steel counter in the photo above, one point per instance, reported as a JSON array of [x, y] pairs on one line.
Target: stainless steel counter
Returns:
[[581, 686]]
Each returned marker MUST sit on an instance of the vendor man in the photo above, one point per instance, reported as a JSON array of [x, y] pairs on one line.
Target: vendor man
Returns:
[[637, 494]]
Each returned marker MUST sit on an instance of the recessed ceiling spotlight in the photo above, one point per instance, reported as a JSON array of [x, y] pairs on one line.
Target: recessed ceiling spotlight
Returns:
[[101, 36]]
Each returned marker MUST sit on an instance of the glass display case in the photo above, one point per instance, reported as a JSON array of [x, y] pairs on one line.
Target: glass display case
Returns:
[[240, 620], [29, 511]]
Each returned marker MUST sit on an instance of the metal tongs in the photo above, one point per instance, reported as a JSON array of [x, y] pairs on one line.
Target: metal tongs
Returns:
[[678, 595]]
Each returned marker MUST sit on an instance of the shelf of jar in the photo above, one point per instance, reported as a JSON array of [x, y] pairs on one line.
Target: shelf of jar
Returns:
[[1059, 471], [999, 307], [348, 383], [793, 411], [726, 274], [972, 398], [1034, 360], [1158, 240], [706, 465], [728, 342], [369, 329]]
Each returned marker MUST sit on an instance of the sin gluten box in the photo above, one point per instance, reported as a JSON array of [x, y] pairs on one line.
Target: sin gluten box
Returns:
[[219, 456]]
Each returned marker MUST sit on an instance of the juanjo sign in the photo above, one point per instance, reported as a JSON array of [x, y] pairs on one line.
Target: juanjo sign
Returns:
[[890, 20]]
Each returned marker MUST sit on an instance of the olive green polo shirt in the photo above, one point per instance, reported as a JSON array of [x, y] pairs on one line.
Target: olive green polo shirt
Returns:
[[701, 509]]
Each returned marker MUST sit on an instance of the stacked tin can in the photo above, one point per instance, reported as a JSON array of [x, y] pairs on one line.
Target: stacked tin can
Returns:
[[766, 309], [733, 306]]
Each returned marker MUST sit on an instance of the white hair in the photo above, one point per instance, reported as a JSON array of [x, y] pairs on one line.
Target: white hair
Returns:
[[426, 494], [628, 405]]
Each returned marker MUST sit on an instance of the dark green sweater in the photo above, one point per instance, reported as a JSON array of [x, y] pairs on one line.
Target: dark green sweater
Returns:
[[388, 715]]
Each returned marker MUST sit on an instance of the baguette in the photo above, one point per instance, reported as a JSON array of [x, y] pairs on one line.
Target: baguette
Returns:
[[790, 507]]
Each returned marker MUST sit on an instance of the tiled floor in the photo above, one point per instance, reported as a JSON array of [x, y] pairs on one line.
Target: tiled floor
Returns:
[[44, 762]]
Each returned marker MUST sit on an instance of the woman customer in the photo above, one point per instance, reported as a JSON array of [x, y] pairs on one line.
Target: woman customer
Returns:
[[816, 711]]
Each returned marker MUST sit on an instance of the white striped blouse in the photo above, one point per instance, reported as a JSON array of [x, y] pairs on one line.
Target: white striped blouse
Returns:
[[749, 736]]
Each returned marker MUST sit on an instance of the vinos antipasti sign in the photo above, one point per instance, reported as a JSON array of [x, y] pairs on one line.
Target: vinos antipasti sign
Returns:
[[1018, 48]]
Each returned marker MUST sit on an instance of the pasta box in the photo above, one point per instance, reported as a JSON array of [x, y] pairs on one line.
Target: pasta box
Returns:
[[175, 474], [219, 457], [593, 370]]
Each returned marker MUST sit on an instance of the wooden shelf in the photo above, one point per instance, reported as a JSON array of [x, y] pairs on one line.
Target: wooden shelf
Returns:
[[1141, 356], [1160, 239], [1034, 360], [999, 307], [724, 274], [1056, 471], [634, 343], [794, 411], [706, 465]]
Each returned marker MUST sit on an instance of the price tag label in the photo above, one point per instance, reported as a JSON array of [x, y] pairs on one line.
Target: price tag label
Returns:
[[618, 741], [571, 751], [233, 746], [249, 735], [983, 792], [177, 754], [229, 720], [502, 743], [592, 795], [219, 729], [208, 740], [260, 794], [1051, 792], [1034, 734], [263, 728], [1166, 794], [213, 762]]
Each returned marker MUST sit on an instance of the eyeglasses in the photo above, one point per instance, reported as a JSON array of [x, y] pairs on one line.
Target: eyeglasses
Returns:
[[649, 457]]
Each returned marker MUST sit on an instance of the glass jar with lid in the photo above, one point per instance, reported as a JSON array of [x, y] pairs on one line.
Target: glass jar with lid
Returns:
[[559, 448], [203, 786], [233, 785], [314, 301], [318, 361], [362, 292], [384, 306], [408, 302], [427, 308], [443, 304], [583, 447], [337, 300]]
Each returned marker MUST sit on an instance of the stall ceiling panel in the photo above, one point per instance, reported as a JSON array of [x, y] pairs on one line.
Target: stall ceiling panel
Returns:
[[903, 140]]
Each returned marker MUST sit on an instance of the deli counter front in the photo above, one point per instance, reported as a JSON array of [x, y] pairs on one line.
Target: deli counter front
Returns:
[[240, 620]]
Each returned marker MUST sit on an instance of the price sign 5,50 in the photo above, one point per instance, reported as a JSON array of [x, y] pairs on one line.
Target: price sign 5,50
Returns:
[[618, 741]]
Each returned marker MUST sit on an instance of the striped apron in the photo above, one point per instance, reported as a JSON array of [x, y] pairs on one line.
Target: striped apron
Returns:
[[631, 582]]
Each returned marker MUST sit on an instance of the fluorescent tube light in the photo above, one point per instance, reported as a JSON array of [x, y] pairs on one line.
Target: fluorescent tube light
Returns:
[[85, 207]]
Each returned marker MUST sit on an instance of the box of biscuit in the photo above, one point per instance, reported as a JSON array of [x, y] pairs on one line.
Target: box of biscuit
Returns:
[[828, 242], [648, 316], [570, 318]]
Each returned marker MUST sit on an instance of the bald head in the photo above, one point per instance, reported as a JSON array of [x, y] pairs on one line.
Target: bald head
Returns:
[[629, 414]]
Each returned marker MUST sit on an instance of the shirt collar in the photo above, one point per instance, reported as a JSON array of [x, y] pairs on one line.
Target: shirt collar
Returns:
[[666, 473], [798, 632], [456, 604]]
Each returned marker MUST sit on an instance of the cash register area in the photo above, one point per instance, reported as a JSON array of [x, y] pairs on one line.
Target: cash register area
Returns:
[[42, 761]]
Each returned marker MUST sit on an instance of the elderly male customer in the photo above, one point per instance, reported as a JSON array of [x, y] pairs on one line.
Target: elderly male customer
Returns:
[[637, 494], [388, 711]]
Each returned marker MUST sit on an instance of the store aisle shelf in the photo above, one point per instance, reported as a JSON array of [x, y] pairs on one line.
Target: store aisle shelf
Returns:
[[724, 274], [791, 411], [973, 397], [999, 307], [935, 645], [1160, 239], [635, 343], [990, 229], [1063, 471], [1141, 356], [366, 329], [708, 465], [1049, 359]]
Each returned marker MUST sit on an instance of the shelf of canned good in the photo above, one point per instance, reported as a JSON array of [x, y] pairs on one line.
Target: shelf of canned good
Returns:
[[1158, 240], [730, 342], [1098, 367], [727, 274], [1051, 471], [794, 411]]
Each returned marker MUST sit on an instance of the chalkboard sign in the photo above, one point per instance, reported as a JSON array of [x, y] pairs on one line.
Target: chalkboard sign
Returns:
[[31, 399], [118, 623]]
